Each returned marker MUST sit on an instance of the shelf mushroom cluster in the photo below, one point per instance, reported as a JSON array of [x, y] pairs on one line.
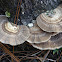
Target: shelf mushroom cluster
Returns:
[[46, 33], [50, 22]]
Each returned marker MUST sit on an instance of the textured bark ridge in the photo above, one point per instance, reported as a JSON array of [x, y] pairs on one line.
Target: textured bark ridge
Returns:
[[30, 9], [39, 5]]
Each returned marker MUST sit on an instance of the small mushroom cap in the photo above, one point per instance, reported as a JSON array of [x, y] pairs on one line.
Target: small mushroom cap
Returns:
[[11, 38], [37, 35], [54, 43], [51, 24]]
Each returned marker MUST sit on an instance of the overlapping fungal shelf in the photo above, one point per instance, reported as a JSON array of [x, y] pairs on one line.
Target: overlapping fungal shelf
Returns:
[[50, 23], [11, 35]]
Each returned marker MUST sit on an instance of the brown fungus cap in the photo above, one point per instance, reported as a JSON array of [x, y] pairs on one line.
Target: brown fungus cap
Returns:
[[10, 34], [54, 43], [37, 35], [51, 23]]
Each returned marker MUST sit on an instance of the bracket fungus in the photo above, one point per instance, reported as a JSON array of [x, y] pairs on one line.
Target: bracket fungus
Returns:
[[51, 21], [54, 43], [37, 35], [12, 34]]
